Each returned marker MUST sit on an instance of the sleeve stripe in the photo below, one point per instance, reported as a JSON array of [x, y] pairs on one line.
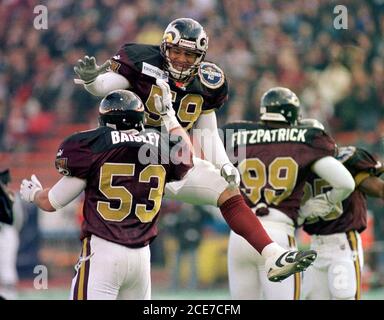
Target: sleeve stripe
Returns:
[[360, 177]]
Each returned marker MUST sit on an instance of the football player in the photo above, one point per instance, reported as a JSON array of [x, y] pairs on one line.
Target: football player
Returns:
[[274, 157], [123, 195], [197, 89], [336, 235], [9, 237]]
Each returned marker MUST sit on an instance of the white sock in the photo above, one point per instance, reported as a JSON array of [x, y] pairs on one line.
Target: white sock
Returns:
[[272, 249]]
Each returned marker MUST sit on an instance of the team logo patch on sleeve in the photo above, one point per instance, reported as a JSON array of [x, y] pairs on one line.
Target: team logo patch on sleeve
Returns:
[[62, 166], [211, 75], [115, 66]]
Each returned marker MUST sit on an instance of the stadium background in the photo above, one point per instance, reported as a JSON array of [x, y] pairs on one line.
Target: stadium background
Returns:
[[337, 73]]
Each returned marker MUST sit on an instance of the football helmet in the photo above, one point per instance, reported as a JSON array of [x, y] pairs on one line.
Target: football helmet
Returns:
[[187, 34], [280, 104], [122, 110]]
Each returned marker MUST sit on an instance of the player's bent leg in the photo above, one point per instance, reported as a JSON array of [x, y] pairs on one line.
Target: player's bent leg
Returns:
[[202, 185]]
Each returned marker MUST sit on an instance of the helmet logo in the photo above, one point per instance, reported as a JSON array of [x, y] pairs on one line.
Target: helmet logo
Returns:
[[168, 37]]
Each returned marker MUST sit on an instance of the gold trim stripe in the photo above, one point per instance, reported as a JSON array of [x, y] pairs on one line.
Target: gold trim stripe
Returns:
[[352, 239], [81, 289], [297, 276], [360, 177]]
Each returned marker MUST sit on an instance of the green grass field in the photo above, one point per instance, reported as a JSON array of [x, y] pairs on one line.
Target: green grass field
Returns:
[[161, 294]]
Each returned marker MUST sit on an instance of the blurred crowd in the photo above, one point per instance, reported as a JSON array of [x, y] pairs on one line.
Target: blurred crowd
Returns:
[[337, 73]]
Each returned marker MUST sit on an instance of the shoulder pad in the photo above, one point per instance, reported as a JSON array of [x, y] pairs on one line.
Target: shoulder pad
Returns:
[[211, 75], [309, 122]]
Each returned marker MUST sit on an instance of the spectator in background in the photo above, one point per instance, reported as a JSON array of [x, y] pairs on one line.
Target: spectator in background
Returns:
[[187, 228]]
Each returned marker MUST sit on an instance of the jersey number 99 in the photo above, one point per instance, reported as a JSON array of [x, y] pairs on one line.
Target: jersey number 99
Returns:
[[281, 175]]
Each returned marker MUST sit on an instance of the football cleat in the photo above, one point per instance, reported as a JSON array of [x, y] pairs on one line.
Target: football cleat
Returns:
[[288, 263]]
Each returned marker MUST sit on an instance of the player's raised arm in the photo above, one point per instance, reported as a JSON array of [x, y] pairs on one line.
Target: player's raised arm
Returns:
[[207, 135], [56, 197]]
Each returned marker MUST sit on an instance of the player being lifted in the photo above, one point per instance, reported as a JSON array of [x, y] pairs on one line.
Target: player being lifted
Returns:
[[336, 235], [275, 156], [197, 89]]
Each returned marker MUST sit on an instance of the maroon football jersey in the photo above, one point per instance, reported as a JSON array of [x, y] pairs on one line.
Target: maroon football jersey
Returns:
[[354, 217], [274, 163], [142, 64], [125, 174]]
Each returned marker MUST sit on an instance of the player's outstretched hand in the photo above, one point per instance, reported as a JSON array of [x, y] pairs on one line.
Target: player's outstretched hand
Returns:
[[88, 70]]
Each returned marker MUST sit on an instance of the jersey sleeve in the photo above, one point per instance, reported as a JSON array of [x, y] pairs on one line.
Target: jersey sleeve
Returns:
[[215, 85], [122, 63], [217, 99], [361, 163], [323, 144], [74, 158]]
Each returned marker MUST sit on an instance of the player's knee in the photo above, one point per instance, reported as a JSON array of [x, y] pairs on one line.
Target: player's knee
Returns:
[[227, 194], [342, 280]]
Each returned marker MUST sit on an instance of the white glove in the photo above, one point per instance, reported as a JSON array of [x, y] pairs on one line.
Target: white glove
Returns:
[[163, 105], [320, 206], [230, 173], [88, 70], [28, 188]]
